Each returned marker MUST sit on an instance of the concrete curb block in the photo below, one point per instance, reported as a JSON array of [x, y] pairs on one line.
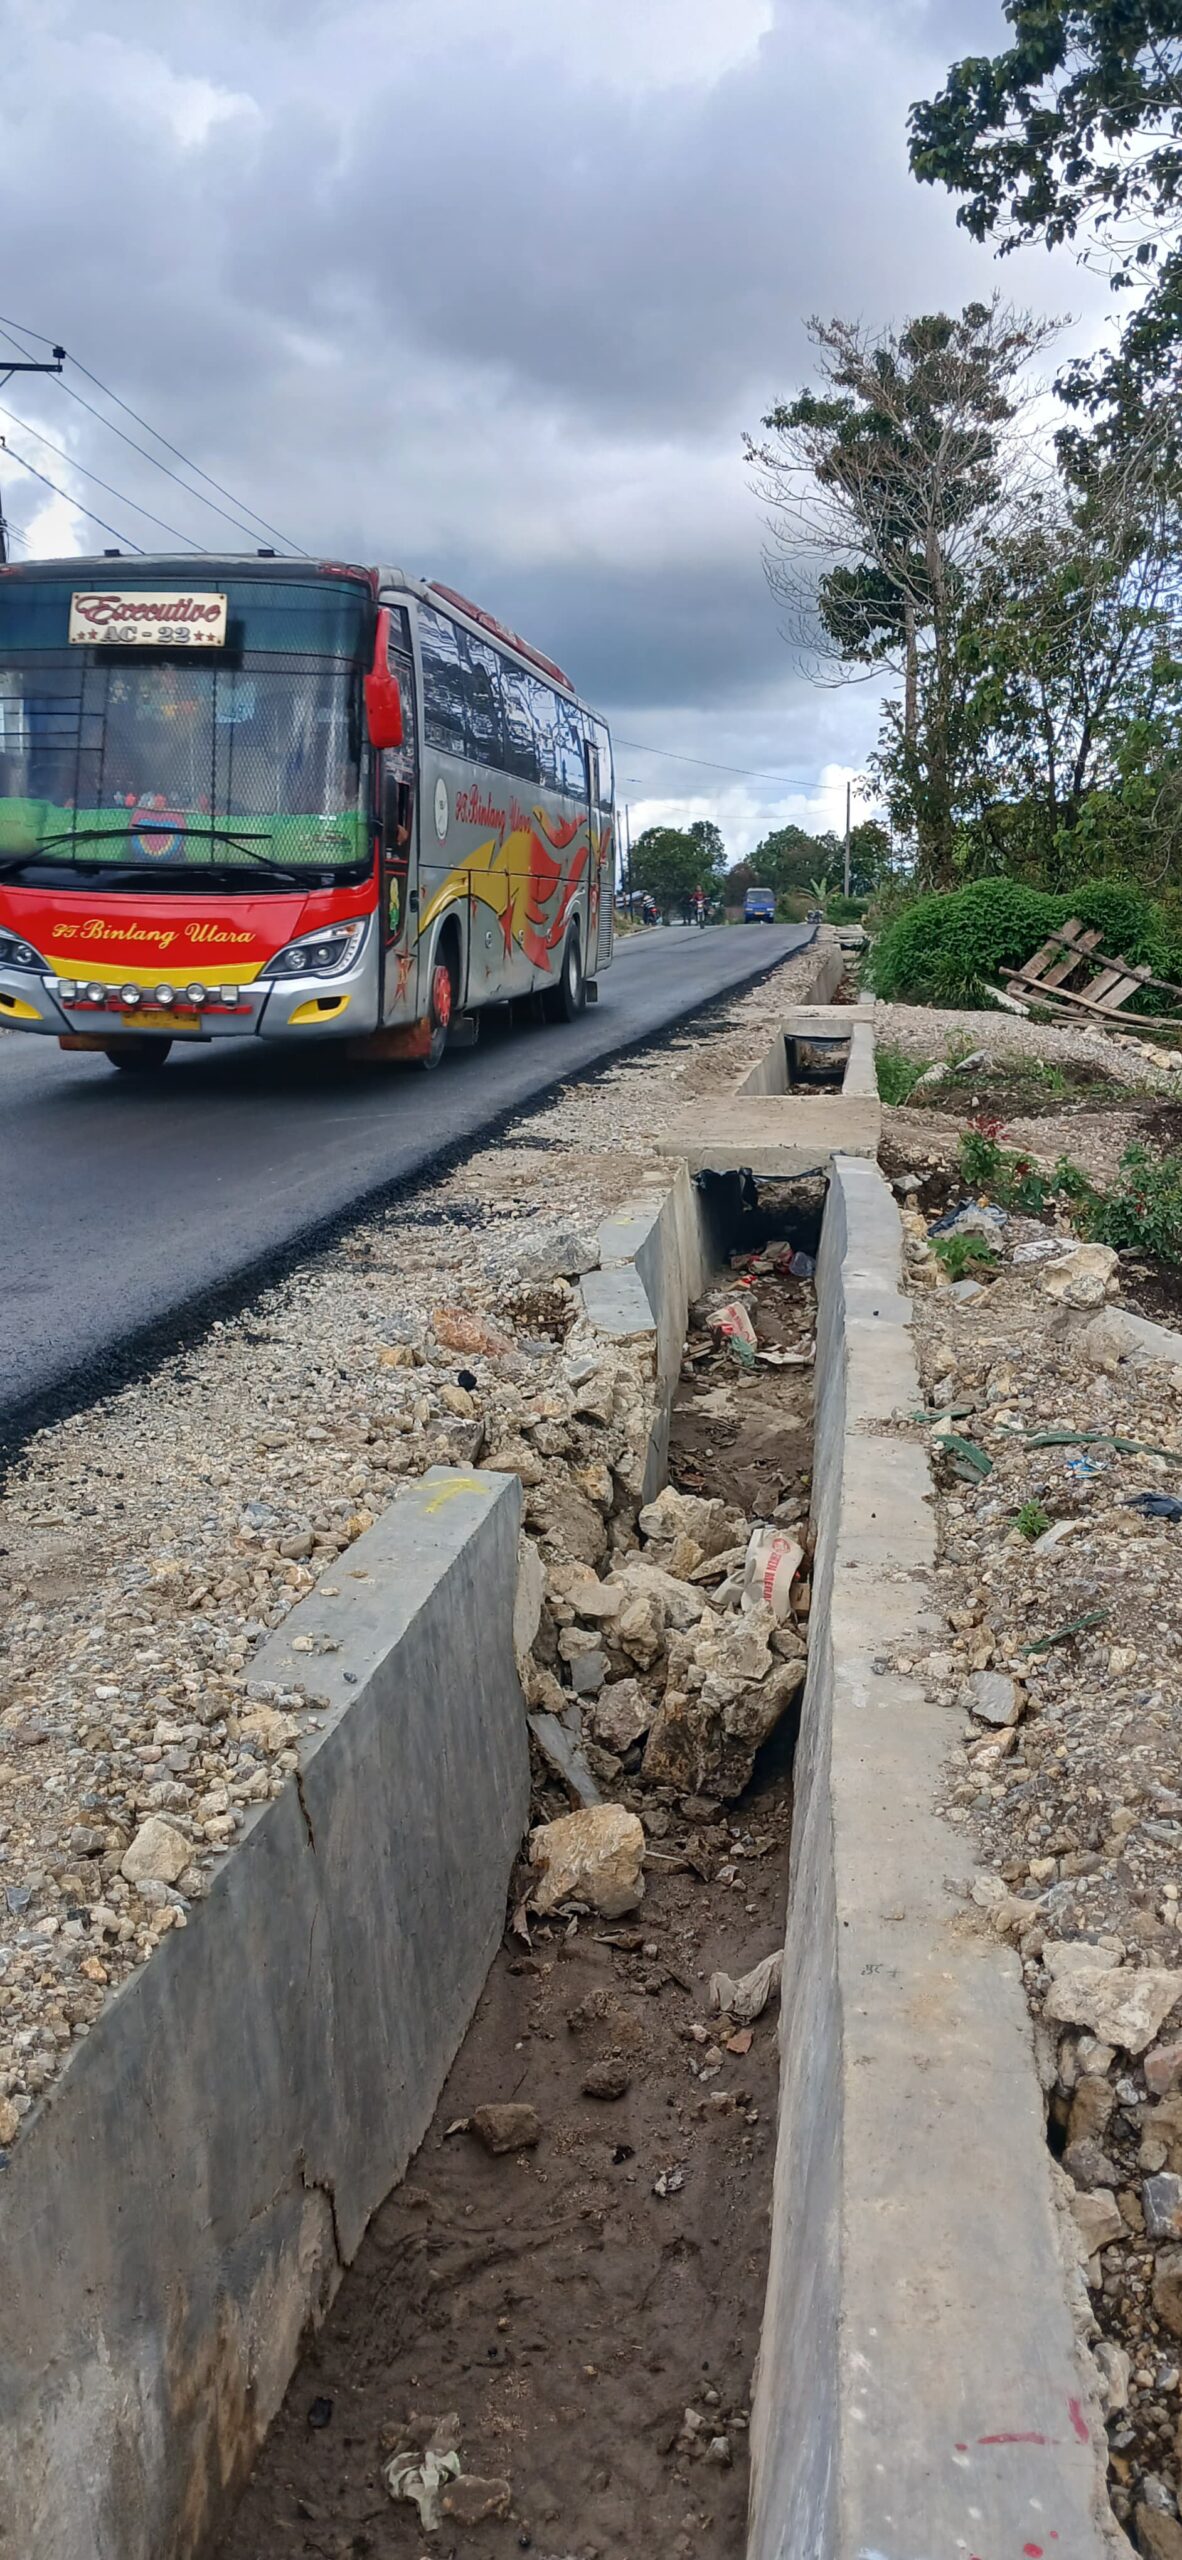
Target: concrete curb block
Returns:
[[764, 1127], [183, 2207], [920, 2390], [654, 1262]]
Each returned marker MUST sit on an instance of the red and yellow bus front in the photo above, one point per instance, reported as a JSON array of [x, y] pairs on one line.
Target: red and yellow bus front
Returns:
[[187, 838]]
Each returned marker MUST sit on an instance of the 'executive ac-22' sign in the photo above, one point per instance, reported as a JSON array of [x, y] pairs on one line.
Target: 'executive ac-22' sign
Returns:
[[146, 618]]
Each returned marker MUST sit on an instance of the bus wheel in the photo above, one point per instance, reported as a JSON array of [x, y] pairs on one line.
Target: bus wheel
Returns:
[[138, 1057], [443, 997], [565, 1002]]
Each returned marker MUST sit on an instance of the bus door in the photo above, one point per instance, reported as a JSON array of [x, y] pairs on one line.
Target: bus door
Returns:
[[603, 878], [400, 869]]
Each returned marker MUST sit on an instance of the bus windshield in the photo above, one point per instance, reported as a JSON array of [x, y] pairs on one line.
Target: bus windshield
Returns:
[[154, 760]]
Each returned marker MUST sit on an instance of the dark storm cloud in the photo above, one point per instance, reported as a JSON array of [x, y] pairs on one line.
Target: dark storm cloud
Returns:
[[494, 294]]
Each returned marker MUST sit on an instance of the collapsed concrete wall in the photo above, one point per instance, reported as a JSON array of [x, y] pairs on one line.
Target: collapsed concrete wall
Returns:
[[185, 2203], [919, 2386]]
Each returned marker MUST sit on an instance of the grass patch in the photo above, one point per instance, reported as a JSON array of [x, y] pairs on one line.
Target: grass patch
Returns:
[[897, 1075], [1032, 1521]]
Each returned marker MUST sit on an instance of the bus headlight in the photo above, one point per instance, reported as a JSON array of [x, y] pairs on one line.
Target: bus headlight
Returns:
[[320, 955], [15, 954]]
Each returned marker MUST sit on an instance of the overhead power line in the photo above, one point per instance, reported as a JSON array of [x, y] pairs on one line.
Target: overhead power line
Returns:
[[710, 764], [245, 509], [76, 503], [87, 474]]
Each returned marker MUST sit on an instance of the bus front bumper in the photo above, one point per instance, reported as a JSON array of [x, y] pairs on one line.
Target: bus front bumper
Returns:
[[273, 1009]]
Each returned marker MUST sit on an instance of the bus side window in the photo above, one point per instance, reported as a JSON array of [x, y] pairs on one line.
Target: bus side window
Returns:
[[543, 712], [483, 727], [571, 753], [606, 779], [444, 683], [521, 751]]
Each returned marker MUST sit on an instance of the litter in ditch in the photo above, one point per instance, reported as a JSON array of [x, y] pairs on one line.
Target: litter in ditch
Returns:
[[573, 2268]]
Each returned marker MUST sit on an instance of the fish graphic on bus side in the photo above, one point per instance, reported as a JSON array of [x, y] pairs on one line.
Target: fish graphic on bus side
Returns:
[[517, 877]]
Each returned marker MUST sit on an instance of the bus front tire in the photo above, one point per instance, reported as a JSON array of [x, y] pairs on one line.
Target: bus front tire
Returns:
[[139, 1057], [442, 1007], [565, 1002]]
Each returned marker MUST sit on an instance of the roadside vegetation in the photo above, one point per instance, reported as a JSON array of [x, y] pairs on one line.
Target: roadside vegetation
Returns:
[[1140, 1212], [950, 949]]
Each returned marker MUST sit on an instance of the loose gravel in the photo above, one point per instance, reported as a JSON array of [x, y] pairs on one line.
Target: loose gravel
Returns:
[[148, 1545], [1059, 1670], [930, 1033]]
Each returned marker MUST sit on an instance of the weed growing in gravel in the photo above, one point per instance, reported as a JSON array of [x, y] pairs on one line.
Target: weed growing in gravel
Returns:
[[962, 1256], [979, 1156], [1010, 1178], [897, 1075], [1032, 1521]]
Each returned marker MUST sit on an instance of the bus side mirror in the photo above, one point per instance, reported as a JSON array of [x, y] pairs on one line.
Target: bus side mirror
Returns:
[[383, 696]]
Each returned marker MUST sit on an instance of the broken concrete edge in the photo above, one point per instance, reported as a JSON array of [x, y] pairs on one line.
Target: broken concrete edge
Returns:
[[654, 1261], [179, 2212], [920, 2385]]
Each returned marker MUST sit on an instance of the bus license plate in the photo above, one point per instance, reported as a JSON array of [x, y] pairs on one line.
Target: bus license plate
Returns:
[[156, 1017]]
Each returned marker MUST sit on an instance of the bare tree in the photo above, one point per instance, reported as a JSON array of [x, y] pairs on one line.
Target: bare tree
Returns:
[[878, 486]]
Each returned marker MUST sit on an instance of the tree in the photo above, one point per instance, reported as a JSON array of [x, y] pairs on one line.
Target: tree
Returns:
[[1067, 684], [711, 849], [870, 856], [785, 860], [671, 862], [890, 473], [1075, 133]]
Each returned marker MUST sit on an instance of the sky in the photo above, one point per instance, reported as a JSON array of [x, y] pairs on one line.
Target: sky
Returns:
[[492, 293]]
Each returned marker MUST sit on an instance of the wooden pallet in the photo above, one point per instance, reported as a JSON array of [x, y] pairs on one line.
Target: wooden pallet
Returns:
[[1104, 985]]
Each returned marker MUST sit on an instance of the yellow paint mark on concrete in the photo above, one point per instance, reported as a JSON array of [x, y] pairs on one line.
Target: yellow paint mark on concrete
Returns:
[[441, 1493]]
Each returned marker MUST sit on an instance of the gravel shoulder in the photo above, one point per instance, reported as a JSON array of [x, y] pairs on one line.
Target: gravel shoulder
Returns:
[[148, 1544], [928, 1032], [1059, 1671]]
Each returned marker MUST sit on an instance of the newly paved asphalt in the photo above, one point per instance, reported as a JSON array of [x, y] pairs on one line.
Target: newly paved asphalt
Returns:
[[126, 1204]]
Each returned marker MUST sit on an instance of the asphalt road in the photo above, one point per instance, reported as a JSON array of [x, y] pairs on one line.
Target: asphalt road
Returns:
[[127, 1204]]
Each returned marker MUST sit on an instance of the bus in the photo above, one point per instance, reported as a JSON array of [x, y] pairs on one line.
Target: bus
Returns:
[[293, 800]]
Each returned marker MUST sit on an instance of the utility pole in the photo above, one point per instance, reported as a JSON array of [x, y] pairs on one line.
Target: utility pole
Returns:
[[59, 357], [846, 876]]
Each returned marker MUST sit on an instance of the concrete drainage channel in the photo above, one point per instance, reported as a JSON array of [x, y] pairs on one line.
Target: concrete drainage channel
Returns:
[[183, 2211]]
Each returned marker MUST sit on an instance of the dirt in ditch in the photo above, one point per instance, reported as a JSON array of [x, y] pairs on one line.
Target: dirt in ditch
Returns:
[[565, 2310], [588, 2308]]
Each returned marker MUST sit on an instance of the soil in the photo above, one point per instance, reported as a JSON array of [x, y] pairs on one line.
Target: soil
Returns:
[[567, 2312], [1021, 1092], [571, 2315]]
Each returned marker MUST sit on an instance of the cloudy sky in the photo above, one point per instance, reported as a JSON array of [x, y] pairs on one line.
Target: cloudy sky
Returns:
[[492, 291]]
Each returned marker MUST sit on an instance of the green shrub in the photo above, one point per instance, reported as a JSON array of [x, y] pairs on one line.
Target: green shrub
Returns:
[[1032, 1521], [1144, 1208], [897, 1075], [947, 949]]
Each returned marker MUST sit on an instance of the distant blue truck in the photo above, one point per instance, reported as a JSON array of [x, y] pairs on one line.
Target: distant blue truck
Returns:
[[759, 906]]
